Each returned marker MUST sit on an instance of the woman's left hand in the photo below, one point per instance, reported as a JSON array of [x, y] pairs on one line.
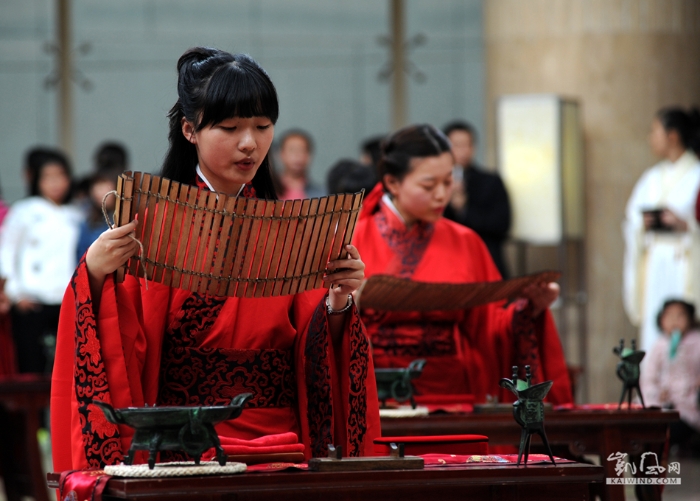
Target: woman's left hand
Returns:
[[344, 276], [541, 295]]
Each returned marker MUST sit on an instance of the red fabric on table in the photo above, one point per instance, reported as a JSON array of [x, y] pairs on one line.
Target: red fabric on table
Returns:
[[81, 485], [269, 444], [435, 444], [612, 406], [503, 449], [451, 404], [268, 467], [443, 460]]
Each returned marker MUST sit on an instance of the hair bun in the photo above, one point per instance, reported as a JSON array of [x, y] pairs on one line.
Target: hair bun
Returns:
[[195, 55]]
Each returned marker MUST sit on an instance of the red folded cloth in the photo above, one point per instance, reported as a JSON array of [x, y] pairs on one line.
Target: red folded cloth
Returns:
[[438, 444], [451, 404], [86, 484], [268, 444], [597, 407], [439, 460], [268, 467]]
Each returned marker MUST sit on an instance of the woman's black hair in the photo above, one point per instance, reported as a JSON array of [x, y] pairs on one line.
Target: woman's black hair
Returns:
[[372, 147], [40, 157], [111, 156], [350, 176], [689, 310], [213, 86], [686, 124], [415, 141]]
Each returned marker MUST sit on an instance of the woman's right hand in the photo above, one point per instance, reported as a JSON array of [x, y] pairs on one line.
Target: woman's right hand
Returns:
[[670, 219], [111, 250]]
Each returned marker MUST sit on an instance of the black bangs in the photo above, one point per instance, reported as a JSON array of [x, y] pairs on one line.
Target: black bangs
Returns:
[[238, 89]]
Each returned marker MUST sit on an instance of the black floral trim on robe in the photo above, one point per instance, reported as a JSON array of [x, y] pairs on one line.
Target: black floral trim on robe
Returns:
[[319, 406], [527, 344], [194, 375], [101, 438], [318, 383], [409, 245], [358, 371], [437, 340]]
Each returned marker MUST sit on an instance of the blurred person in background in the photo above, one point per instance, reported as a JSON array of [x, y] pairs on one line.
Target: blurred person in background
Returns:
[[479, 199], [111, 156], [371, 150], [296, 149], [671, 375], [662, 236], [37, 257], [8, 359], [350, 176], [99, 184], [33, 160]]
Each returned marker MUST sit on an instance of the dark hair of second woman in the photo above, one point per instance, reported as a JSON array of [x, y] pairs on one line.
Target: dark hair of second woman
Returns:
[[213, 86], [686, 124], [415, 141], [38, 160]]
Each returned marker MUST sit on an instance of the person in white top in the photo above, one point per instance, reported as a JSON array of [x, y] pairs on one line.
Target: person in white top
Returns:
[[37, 258], [662, 236]]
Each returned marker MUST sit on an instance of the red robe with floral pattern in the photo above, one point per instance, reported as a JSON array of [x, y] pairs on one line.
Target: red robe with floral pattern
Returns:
[[466, 351], [168, 346]]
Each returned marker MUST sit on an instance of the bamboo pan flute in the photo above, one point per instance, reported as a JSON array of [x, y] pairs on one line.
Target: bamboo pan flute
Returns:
[[388, 293], [223, 245]]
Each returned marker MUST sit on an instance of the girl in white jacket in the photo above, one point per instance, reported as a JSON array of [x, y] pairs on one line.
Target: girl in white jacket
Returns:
[[37, 257]]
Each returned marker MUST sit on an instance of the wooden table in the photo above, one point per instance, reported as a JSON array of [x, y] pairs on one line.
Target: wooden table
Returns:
[[25, 397], [564, 482], [596, 432]]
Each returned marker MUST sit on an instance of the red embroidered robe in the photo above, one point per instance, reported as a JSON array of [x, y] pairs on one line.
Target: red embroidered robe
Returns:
[[466, 351], [169, 346]]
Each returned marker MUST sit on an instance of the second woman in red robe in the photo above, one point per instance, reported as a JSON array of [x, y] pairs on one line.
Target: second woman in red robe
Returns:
[[401, 232]]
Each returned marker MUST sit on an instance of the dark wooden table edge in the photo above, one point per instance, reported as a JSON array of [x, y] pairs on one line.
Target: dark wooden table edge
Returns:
[[444, 477], [653, 415]]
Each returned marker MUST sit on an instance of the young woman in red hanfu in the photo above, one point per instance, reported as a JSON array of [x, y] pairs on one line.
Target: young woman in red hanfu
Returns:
[[401, 232], [305, 357]]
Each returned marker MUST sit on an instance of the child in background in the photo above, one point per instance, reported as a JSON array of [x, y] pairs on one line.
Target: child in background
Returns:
[[671, 372], [100, 183]]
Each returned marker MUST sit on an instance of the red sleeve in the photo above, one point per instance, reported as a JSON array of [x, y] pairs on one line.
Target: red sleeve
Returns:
[[554, 365], [497, 337], [336, 391], [99, 358]]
